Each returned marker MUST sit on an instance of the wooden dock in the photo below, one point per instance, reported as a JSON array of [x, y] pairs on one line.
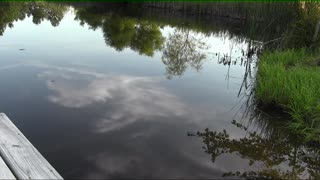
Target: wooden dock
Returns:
[[19, 159]]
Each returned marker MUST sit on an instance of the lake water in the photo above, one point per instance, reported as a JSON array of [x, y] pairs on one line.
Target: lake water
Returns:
[[105, 95]]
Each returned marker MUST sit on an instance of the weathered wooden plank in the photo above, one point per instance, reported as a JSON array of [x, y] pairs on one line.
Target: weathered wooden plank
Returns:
[[21, 156], [5, 172]]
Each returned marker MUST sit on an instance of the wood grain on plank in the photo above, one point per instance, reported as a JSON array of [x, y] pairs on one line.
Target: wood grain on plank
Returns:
[[5, 172], [21, 156]]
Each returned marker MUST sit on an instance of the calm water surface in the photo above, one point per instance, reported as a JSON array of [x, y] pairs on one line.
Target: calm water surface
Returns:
[[98, 104]]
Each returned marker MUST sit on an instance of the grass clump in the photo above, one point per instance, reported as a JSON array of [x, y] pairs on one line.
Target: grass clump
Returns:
[[290, 80]]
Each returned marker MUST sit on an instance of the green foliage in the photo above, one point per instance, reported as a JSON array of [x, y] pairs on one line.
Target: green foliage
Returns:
[[286, 79], [13, 11], [122, 31], [119, 31], [141, 36], [85, 16], [53, 12], [10, 12], [147, 39], [269, 153], [301, 32], [182, 49]]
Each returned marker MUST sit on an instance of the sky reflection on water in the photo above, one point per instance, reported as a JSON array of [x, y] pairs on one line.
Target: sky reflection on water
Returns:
[[95, 112]]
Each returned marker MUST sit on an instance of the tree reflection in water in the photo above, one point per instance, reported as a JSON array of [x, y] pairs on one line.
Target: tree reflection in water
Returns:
[[183, 49], [180, 50], [40, 11], [272, 144], [141, 36], [276, 149], [121, 31], [129, 26]]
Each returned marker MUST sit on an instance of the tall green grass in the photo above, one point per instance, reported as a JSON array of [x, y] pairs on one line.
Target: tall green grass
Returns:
[[290, 80]]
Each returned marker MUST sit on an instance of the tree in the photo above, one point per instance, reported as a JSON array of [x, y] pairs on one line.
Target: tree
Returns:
[[139, 35], [13, 11], [119, 31], [271, 151], [148, 38], [181, 50]]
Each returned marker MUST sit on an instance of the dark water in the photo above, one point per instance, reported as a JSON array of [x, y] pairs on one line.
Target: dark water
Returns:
[[105, 95]]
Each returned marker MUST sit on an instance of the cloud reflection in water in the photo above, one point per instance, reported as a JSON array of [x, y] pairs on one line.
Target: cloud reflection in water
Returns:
[[124, 103], [132, 98]]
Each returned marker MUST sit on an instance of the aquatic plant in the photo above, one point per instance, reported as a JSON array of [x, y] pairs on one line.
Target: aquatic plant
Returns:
[[289, 80]]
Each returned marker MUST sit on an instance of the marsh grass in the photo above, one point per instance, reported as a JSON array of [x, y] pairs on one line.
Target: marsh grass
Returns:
[[290, 81]]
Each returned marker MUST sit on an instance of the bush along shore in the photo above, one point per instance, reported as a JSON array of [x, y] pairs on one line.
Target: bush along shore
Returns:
[[290, 80]]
